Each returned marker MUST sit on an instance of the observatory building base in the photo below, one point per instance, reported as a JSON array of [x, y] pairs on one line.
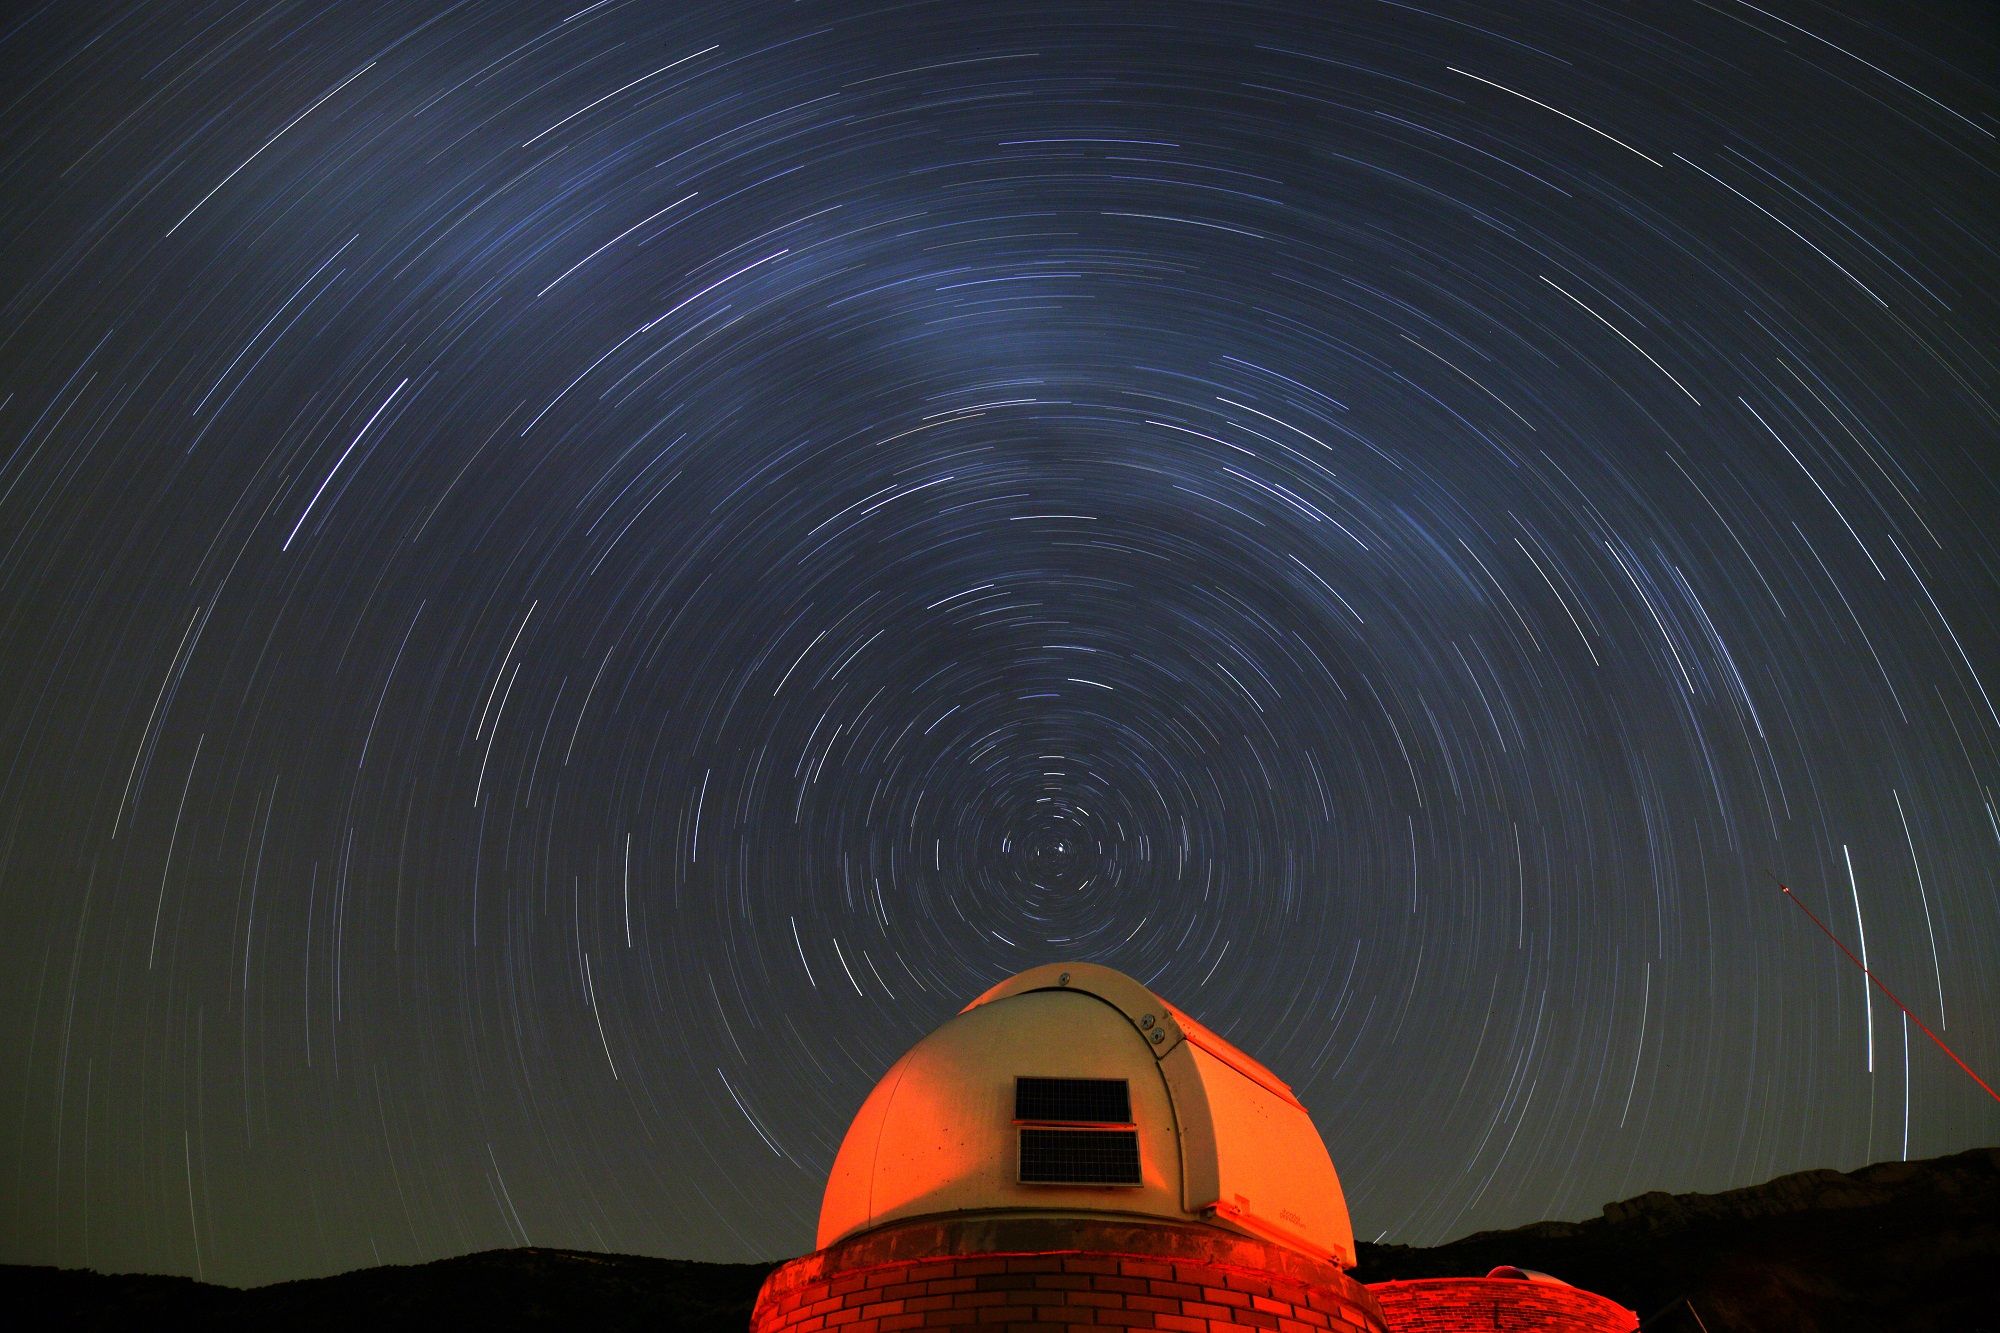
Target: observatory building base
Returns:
[[1049, 1273]]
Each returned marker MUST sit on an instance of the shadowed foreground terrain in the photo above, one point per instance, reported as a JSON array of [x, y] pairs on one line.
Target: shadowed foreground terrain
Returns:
[[1911, 1246]]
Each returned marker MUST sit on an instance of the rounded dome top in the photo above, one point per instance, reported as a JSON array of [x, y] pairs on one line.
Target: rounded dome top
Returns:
[[1073, 1089]]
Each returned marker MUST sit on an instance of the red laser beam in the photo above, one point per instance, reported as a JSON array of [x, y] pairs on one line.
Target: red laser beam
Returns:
[[1786, 890]]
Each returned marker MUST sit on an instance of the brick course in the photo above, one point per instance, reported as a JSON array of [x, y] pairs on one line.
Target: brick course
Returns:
[[892, 1284]]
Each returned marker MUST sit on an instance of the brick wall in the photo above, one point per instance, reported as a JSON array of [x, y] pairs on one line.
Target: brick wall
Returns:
[[1054, 1293], [1510, 1305]]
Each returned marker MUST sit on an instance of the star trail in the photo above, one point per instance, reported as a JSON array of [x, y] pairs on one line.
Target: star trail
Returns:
[[573, 579]]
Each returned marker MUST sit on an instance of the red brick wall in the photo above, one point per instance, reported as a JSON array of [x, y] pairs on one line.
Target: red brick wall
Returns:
[[1486, 1304], [1054, 1293]]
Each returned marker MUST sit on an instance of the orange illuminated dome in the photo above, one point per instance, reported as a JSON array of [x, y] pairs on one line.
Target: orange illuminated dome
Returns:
[[1072, 1089], [1073, 1151]]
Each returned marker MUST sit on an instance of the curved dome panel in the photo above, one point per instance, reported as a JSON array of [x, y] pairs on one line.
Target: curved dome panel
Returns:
[[1219, 1138], [939, 1134]]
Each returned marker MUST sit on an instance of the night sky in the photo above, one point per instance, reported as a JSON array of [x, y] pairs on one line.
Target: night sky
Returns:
[[572, 580]]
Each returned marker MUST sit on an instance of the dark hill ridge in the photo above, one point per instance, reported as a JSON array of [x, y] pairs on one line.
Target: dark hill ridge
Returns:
[[496, 1289], [1909, 1246]]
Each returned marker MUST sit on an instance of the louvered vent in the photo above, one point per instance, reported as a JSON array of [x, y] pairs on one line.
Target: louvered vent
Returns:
[[1079, 1156], [1089, 1101], [1057, 1149]]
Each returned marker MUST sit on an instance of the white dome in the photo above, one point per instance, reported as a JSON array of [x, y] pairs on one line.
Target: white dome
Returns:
[[1073, 1089]]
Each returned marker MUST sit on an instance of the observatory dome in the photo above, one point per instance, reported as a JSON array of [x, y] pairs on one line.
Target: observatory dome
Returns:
[[1071, 1090]]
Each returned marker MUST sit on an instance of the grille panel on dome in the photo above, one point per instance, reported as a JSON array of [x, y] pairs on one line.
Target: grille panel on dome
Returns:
[[1089, 1101], [1080, 1157]]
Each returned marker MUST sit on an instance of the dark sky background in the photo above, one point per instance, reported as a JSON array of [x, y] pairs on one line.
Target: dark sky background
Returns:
[[574, 579]]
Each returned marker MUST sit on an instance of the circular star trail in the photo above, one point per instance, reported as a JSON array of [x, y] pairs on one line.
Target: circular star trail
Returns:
[[571, 581]]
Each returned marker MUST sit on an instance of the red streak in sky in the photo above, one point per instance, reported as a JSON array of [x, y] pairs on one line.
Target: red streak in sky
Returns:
[[1891, 994]]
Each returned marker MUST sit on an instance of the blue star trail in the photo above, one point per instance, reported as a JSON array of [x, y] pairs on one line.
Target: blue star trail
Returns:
[[574, 579]]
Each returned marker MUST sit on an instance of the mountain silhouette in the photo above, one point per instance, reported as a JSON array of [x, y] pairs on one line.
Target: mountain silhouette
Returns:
[[1911, 1246]]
